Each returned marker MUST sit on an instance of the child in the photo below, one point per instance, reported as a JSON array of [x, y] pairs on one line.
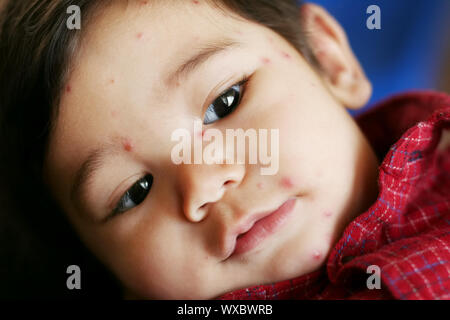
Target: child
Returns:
[[92, 112]]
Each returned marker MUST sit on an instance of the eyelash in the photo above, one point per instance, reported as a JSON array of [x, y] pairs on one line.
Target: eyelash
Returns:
[[242, 84], [118, 209]]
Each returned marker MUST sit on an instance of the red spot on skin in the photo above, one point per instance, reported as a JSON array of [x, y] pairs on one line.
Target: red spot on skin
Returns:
[[68, 88], [112, 81], [265, 60], [286, 182], [127, 145], [114, 114], [139, 35], [327, 213], [260, 185], [195, 2], [201, 134], [317, 255], [143, 3], [286, 55]]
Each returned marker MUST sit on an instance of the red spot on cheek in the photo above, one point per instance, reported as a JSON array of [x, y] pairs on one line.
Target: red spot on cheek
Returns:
[[195, 2], [265, 60], [286, 182], [127, 145], [139, 35], [328, 213], [143, 3], [68, 88], [260, 185], [112, 81], [114, 114]]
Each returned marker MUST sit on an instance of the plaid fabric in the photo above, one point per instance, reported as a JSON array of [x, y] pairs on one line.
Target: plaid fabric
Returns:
[[406, 232]]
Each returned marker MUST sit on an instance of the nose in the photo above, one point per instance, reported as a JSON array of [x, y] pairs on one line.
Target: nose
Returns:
[[201, 184]]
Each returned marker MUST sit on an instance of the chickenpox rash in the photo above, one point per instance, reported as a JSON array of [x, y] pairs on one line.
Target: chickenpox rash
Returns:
[[316, 255], [286, 55], [201, 134], [127, 146], [265, 60], [286, 182], [327, 213]]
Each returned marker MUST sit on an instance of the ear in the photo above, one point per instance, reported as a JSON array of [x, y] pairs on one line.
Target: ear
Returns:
[[340, 70]]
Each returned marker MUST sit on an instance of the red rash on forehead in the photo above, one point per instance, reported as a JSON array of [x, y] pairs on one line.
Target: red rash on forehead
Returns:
[[286, 182]]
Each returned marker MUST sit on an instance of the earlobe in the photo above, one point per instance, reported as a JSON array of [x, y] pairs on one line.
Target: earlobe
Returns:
[[338, 66]]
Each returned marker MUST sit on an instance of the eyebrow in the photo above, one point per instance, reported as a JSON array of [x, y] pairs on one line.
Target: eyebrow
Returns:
[[205, 52], [83, 177], [96, 158]]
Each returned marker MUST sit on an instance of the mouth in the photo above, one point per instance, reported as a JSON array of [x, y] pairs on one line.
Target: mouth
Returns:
[[260, 227]]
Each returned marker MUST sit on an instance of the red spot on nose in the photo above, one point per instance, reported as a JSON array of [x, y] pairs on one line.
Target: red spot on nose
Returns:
[[286, 182]]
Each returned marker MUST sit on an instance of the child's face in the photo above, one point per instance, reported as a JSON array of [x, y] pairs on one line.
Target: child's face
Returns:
[[172, 245]]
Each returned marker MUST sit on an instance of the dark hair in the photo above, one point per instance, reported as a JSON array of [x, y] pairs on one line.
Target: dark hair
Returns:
[[36, 49]]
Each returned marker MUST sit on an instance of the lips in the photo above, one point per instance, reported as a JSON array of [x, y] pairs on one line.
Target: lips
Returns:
[[259, 227]]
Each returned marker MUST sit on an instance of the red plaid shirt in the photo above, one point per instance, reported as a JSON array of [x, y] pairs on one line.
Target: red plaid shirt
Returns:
[[406, 232]]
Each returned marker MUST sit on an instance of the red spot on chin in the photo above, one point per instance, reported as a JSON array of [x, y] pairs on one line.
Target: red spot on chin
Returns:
[[317, 255], [286, 182], [127, 146], [68, 88]]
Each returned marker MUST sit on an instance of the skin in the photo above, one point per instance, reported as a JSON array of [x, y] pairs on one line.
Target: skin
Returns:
[[171, 245]]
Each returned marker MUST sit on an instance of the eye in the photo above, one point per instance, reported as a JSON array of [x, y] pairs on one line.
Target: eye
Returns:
[[225, 103], [134, 196]]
